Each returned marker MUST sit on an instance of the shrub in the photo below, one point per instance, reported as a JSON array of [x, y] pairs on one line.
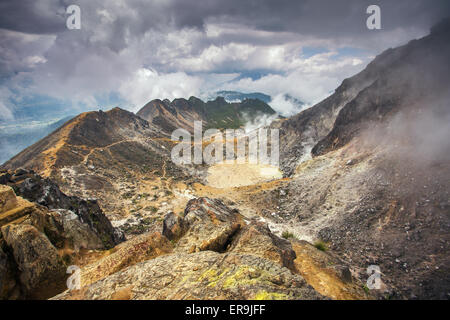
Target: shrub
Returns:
[[322, 246]]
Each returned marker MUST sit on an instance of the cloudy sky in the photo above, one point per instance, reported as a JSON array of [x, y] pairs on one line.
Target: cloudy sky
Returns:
[[128, 52]]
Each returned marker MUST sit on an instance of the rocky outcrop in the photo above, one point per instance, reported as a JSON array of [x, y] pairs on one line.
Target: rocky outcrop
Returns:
[[42, 272], [201, 275], [216, 257], [143, 247], [66, 229], [37, 240], [174, 226], [43, 191], [326, 273], [7, 198], [211, 226], [257, 239]]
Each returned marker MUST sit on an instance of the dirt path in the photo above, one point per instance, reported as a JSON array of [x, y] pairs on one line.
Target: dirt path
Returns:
[[86, 157]]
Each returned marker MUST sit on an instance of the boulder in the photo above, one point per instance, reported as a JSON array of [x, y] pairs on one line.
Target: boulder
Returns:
[[68, 230], [42, 272], [210, 226], [174, 226], [7, 198], [257, 239]]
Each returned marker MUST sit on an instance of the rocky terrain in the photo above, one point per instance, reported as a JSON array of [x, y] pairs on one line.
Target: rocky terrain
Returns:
[[217, 113], [213, 253], [42, 232], [376, 184], [364, 181]]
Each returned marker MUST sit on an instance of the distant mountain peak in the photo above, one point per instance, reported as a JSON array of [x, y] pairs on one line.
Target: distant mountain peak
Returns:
[[216, 113]]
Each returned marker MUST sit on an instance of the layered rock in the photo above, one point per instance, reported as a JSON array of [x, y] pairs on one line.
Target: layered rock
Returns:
[[38, 241], [200, 275], [216, 257], [211, 226], [143, 247], [76, 213], [41, 269]]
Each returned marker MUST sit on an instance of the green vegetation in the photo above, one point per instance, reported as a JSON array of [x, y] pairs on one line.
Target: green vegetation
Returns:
[[321, 245], [220, 114], [288, 235], [366, 289]]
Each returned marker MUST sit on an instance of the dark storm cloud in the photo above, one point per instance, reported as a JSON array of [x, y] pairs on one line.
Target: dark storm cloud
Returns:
[[31, 16], [343, 17], [310, 17], [165, 42]]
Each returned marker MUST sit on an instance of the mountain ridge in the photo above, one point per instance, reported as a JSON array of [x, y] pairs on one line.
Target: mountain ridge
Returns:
[[217, 113]]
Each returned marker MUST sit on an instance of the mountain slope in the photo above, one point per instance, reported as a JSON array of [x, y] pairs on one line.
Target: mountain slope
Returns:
[[375, 186], [101, 154], [218, 113], [403, 69], [14, 138]]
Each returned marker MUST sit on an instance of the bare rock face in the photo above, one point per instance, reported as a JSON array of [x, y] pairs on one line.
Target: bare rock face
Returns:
[[34, 188], [217, 257], [7, 281], [174, 226], [143, 247], [42, 272], [68, 230], [7, 198], [326, 273], [201, 275], [35, 239], [211, 226], [257, 239]]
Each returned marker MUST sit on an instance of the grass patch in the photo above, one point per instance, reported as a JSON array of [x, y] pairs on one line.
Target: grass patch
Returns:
[[288, 235], [321, 245]]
